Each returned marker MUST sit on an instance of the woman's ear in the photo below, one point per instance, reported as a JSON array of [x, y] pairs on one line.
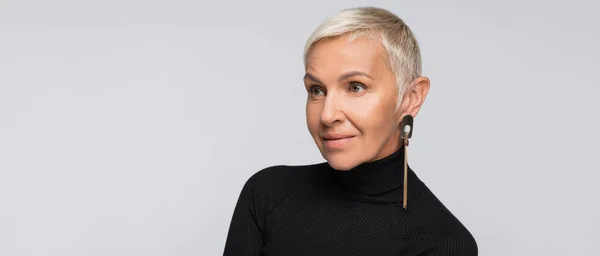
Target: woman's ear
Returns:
[[415, 95]]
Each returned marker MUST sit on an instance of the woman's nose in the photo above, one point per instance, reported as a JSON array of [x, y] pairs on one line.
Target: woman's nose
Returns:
[[332, 111]]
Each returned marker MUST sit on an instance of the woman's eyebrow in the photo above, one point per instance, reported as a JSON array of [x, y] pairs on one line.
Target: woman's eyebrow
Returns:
[[312, 77], [341, 78], [353, 73]]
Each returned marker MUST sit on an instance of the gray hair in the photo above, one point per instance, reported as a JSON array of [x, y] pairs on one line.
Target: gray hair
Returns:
[[403, 54]]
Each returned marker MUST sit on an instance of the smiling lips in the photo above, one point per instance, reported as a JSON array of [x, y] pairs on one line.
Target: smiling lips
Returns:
[[336, 141]]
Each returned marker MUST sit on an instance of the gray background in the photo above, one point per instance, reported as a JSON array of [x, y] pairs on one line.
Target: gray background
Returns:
[[129, 127]]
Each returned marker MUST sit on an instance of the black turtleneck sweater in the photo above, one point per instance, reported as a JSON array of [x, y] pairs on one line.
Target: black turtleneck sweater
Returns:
[[317, 210]]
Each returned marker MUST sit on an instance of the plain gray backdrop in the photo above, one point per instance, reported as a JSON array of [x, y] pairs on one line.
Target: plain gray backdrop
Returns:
[[130, 127]]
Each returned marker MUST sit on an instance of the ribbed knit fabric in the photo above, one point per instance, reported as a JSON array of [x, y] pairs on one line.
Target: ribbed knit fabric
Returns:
[[316, 210]]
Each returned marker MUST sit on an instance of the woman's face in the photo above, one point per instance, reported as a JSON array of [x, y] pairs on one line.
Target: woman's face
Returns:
[[352, 95]]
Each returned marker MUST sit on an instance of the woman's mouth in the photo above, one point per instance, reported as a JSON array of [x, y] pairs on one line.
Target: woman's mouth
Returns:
[[336, 141]]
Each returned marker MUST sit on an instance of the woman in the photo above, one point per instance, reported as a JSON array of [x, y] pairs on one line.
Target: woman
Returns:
[[363, 78]]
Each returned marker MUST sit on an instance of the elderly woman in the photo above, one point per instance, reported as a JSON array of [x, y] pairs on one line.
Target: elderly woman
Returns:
[[364, 85]]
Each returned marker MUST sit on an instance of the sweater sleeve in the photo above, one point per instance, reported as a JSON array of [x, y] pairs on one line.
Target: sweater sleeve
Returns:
[[244, 236]]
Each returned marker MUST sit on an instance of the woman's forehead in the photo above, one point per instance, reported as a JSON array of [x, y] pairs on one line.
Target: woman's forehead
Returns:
[[342, 54]]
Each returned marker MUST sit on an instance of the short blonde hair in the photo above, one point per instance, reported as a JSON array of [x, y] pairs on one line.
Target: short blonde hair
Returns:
[[401, 46]]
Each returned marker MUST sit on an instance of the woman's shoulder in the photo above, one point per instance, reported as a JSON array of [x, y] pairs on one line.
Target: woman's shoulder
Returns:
[[290, 176], [438, 226], [269, 187]]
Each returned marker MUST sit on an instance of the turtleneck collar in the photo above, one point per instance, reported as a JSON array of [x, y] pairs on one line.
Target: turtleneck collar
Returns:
[[374, 177]]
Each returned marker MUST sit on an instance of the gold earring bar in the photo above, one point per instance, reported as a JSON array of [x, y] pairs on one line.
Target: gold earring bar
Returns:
[[405, 196]]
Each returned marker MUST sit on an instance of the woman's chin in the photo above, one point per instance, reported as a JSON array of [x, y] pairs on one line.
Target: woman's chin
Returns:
[[341, 163]]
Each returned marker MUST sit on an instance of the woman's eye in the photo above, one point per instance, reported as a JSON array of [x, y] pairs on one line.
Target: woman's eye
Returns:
[[356, 87], [316, 91]]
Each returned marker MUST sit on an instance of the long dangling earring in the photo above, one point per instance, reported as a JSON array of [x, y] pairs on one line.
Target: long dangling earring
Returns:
[[407, 130]]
